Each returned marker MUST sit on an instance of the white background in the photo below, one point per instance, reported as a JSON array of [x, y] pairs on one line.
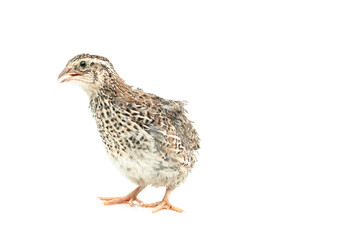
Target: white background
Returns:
[[262, 81]]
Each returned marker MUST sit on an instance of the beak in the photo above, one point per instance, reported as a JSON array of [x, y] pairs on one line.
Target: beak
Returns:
[[66, 75]]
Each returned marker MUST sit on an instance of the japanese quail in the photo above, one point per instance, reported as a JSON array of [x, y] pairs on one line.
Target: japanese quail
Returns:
[[148, 138]]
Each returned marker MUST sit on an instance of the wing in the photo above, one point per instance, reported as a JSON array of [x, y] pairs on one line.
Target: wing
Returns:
[[165, 120], [184, 130]]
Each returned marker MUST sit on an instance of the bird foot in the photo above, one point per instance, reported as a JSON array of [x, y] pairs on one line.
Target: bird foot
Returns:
[[162, 205], [120, 200], [129, 198]]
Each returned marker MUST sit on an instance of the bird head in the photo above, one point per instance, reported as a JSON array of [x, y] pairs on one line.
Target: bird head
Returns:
[[90, 72]]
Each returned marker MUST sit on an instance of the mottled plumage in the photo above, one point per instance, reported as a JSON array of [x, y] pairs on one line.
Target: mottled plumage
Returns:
[[148, 138]]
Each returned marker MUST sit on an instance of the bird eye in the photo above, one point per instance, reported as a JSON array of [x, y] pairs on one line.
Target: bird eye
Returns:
[[83, 64]]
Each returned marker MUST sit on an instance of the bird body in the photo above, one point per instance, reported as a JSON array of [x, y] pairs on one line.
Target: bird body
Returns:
[[149, 139]]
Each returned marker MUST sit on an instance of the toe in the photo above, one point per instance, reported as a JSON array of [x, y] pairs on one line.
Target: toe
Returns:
[[107, 198], [150, 204], [115, 201], [159, 207], [139, 201], [176, 209], [130, 202], [166, 205]]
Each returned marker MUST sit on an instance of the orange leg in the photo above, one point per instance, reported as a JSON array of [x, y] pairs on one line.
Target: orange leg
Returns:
[[129, 198], [164, 204]]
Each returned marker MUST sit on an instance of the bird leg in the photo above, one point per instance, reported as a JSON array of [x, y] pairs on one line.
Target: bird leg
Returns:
[[164, 204], [129, 198]]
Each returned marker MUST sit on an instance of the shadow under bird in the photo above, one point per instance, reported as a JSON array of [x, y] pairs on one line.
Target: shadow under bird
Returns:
[[148, 138]]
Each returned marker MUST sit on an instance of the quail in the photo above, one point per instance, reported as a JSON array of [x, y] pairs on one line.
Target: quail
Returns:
[[148, 138]]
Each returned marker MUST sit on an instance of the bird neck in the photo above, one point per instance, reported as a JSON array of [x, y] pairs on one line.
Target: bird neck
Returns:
[[115, 87], [110, 90]]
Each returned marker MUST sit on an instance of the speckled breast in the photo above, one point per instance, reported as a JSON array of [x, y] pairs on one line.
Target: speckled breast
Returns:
[[131, 148]]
